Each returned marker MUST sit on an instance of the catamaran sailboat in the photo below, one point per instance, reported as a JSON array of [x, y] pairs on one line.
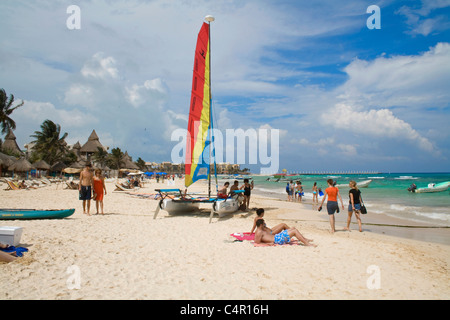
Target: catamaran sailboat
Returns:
[[199, 141]]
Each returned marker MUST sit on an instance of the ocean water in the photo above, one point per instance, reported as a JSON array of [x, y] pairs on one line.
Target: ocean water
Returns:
[[386, 194]]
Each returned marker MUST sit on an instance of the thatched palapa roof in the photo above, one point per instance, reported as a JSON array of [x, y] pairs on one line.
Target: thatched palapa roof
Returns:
[[11, 144], [21, 165], [92, 144], [42, 165]]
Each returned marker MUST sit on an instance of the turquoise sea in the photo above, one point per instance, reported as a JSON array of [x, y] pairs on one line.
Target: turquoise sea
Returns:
[[386, 194]]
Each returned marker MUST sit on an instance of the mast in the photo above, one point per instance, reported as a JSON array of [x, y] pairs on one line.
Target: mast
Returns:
[[210, 19]]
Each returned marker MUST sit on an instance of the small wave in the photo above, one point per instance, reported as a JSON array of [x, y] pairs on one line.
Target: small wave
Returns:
[[376, 177], [406, 178]]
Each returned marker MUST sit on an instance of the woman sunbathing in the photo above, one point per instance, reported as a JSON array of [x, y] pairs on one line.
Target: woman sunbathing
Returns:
[[264, 236], [277, 229]]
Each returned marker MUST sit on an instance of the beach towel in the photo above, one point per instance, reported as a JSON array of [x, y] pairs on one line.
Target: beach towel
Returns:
[[291, 243], [18, 250], [241, 236]]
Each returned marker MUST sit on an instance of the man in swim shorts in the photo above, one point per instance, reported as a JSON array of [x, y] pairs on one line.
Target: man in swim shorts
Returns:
[[263, 236], [85, 187]]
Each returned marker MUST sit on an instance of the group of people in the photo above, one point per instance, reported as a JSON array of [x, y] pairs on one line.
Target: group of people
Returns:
[[354, 206], [294, 191], [282, 233], [91, 186], [223, 193]]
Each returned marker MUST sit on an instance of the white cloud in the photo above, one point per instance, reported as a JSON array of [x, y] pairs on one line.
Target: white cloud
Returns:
[[374, 123], [100, 67], [416, 18], [400, 80]]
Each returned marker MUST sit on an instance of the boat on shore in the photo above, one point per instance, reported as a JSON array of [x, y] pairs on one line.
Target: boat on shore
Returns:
[[199, 141], [31, 214]]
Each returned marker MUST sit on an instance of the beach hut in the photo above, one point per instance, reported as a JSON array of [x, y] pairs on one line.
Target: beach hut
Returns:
[[91, 146], [58, 167], [10, 144], [41, 165], [6, 161], [21, 165]]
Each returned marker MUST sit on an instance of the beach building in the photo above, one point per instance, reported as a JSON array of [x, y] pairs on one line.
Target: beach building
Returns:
[[91, 146], [10, 144]]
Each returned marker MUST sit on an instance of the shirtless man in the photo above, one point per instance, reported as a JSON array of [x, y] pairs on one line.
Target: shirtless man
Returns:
[[264, 236], [85, 187], [234, 187]]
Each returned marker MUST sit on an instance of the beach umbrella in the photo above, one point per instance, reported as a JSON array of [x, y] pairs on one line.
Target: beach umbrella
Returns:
[[41, 165], [21, 165], [7, 160], [71, 170], [59, 166]]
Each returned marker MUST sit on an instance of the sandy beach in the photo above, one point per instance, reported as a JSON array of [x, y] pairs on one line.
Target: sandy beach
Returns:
[[126, 254]]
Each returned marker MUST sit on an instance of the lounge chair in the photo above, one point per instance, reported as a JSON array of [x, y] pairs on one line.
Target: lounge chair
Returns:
[[12, 185], [119, 187], [71, 185]]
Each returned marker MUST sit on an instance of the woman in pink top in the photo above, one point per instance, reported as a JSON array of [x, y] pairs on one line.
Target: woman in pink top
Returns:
[[332, 206]]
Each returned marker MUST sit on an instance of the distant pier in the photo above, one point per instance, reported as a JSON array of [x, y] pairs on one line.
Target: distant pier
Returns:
[[332, 173]]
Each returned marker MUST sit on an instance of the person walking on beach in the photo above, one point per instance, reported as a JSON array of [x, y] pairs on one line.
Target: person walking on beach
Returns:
[[85, 187], [99, 188], [332, 193], [354, 205]]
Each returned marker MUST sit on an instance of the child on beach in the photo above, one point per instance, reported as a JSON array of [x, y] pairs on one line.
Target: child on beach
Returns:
[[99, 187], [223, 193]]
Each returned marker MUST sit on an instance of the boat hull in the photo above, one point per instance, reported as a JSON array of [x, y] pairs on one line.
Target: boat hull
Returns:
[[361, 184], [173, 206], [29, 214], [436, 188], [224, 207]]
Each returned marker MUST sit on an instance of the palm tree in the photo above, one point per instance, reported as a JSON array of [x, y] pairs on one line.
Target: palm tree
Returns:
[[6, 108], [100, 156], [116, 158], [141, 164], [48, 144]]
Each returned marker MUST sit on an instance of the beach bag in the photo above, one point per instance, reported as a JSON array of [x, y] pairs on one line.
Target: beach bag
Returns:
[[363, 207]]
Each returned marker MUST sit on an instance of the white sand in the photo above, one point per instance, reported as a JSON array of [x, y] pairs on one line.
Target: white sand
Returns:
[[128, 255]]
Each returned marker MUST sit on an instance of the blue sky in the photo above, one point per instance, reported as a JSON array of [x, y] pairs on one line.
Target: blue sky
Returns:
[[344, 97]]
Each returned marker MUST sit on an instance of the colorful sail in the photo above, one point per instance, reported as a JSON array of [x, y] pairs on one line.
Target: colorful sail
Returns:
[[197, 166]]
